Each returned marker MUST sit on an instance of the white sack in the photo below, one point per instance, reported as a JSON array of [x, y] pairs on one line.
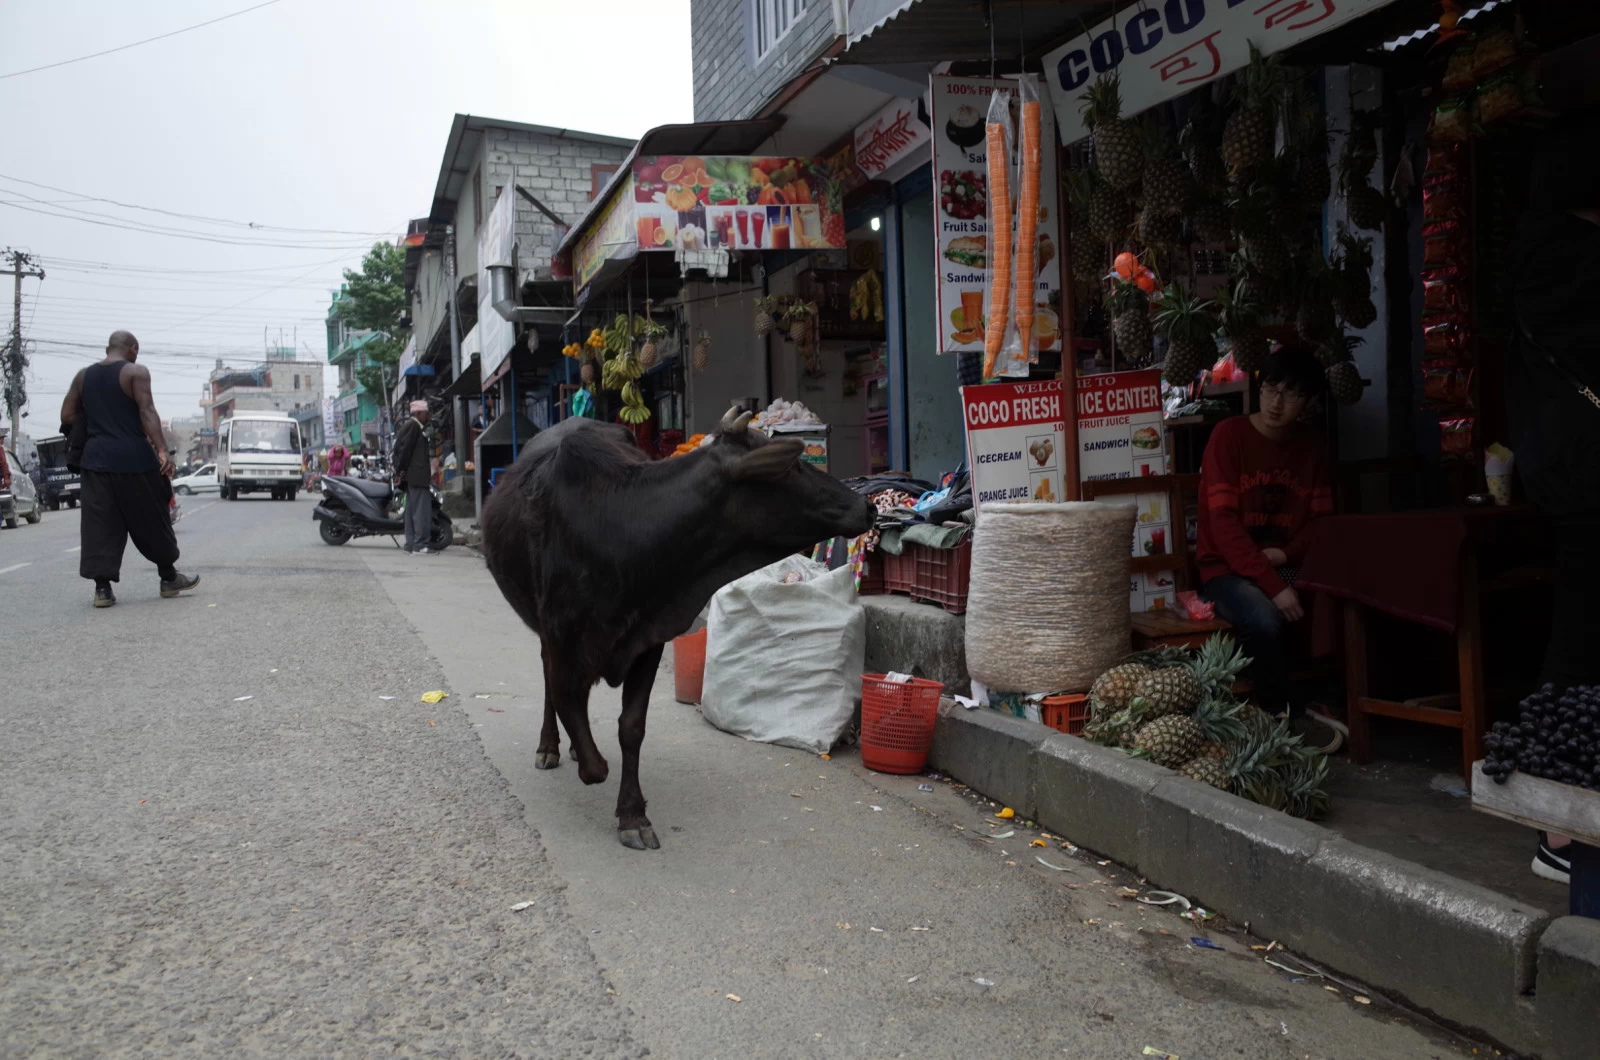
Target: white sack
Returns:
[[783, 662], [1047, 610]]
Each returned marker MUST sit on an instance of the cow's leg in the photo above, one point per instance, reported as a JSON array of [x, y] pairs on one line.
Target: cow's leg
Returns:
[[571, 696], [549, 753], [633, 827]]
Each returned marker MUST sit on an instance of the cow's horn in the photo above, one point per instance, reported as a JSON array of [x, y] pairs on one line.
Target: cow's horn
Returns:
[[735, 421]]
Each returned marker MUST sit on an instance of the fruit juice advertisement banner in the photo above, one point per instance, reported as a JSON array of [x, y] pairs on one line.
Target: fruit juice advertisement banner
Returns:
[[736, 203], [960, 164], [1163, 50], [1119, 425], [1015, 432], [610, 236]]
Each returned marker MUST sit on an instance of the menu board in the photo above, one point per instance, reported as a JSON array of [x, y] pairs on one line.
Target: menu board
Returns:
[[960, 166], [736, 203], [1014, 440]]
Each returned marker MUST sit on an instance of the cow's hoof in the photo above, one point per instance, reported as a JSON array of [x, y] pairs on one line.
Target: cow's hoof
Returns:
[[547, 760], [639, 838], [595, 774]]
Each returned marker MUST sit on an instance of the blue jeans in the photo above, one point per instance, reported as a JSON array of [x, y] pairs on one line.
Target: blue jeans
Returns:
[[1259, 627]]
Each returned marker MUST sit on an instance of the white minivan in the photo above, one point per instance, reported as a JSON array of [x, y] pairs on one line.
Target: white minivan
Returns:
[[259, 452]]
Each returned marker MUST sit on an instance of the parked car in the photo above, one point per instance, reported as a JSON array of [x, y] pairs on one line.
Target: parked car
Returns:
[[20, 500], [201, 480], [58, 486]]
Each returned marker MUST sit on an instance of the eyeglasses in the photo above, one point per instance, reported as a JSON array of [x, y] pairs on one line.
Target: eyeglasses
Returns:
[[1278, 392]]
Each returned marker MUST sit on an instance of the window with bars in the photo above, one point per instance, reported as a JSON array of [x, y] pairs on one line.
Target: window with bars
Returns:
[[772, 20]]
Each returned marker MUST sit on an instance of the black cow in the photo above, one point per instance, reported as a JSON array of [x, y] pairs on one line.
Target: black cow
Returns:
[[608, 555]]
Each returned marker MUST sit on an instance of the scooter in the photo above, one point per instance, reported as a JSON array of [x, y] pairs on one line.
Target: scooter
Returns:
[[358, 507]]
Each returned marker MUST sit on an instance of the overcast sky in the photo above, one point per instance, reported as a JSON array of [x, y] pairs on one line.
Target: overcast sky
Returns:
[[328, 116]]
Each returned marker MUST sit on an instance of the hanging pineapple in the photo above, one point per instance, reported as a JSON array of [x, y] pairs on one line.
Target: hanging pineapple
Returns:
[[701, 357], [1352, 293], [1130, 323], [1366, 206], [764, 321], [1201, 141], [1241, 329], [1315, 320], [1163, 231], [1165, 182], [1187, 323], [1247, 137], [652, 333], [586, 373], [1116, 141], [1344, 382], [1208, 217], [801, 318]]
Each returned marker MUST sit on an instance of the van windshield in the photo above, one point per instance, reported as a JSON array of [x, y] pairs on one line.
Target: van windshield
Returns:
[[264, 436]]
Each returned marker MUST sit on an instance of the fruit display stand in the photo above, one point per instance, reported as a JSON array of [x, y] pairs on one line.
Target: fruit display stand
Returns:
[[1549, 805]]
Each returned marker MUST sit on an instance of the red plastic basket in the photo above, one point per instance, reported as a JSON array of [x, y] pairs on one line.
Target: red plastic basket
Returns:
[[897, 723], [941, 575], [1068, 714], [897, 572], [872, 583]]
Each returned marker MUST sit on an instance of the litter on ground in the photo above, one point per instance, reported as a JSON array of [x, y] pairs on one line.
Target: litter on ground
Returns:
[[520, 906], [434, 697]]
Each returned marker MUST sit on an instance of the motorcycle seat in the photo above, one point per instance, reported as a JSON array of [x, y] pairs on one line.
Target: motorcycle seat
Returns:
[[375, 490]]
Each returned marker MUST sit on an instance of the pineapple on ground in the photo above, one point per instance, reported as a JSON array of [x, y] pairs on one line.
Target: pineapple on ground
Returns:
[[1116, 141], [1207, 769], [1170, 740], [1218, 665], [1130, 323], [1112, 689], [1172, 690], [1190, 330]]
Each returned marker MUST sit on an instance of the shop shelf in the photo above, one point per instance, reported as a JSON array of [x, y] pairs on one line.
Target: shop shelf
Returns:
[[1068, 714]]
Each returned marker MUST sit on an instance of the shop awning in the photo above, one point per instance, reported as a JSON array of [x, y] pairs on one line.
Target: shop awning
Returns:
[[700, 138], [499, 432], [466, 384], [930, 31]]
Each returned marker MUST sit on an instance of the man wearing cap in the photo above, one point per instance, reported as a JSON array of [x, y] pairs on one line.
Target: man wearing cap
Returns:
[[411, 469]]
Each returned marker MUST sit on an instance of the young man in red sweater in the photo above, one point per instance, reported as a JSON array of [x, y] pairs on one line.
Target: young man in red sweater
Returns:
[[1263, 482]]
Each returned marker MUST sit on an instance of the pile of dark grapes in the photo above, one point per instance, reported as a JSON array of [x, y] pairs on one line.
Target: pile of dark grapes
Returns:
[[1557, 737]]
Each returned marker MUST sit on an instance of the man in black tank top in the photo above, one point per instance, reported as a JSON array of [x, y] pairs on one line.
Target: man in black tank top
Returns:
[[126, 472]]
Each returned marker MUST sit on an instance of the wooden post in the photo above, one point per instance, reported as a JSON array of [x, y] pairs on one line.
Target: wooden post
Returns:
[[1069, 361]]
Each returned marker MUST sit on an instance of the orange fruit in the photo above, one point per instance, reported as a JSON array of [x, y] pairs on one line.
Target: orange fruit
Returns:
[[671, 174], [661, 237]]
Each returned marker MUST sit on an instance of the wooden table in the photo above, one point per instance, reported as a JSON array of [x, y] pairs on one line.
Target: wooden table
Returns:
[[1466, 708]]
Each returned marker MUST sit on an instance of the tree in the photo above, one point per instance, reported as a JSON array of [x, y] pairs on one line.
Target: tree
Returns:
[[375, 300]]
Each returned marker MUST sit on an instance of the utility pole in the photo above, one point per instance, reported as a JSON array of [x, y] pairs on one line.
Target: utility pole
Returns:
[[15, 363], [458, 403]]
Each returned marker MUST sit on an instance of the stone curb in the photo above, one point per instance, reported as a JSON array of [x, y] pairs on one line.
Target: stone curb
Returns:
[[1460, 951]]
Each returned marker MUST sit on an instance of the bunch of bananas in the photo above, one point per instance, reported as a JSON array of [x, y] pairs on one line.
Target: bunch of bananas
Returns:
[[633, 410], [623, 368]]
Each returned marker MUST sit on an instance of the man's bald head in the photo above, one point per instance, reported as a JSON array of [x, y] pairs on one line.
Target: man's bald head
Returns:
[[122, 342]]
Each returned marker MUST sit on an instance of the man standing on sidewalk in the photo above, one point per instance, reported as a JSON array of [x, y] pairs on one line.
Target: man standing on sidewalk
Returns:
[[412, 472], [126, 486]]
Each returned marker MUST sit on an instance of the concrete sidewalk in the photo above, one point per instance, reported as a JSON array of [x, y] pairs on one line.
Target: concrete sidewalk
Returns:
[[1473, 957], [795, 883]]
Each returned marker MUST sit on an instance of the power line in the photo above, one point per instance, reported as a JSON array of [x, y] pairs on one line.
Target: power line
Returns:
[[135, 44], [81, 196], [203, 237]]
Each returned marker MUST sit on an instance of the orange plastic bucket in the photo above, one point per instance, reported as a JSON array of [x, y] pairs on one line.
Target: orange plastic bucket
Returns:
[[689, 666]]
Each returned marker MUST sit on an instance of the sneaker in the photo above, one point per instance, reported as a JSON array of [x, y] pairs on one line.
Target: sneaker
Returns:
[[1316, 734], [425, 551], [1550, 865], [182, 583], [104, 597]]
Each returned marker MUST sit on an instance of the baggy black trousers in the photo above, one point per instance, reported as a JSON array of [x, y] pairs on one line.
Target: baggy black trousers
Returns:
[[120, 505]]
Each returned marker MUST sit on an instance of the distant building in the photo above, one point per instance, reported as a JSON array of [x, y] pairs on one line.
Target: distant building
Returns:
[[360, 412], [281, 382]]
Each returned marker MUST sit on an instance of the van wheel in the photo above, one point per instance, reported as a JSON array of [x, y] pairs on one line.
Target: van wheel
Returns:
[[35, 515], [185, 491], [292, 493], [226, 491]]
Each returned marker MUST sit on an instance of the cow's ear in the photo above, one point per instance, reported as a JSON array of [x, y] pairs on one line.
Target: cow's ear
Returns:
[[770, 461]]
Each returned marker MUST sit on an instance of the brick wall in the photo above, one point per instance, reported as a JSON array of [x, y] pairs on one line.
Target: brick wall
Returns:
[[728, 82], [555, 170]]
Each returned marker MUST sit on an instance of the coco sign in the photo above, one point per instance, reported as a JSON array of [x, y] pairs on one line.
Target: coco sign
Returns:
[[1167, 48]]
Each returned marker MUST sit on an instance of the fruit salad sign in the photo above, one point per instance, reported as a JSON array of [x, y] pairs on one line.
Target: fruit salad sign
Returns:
[[1164, 49], [1014, 436], [736, 203], [960, 163]]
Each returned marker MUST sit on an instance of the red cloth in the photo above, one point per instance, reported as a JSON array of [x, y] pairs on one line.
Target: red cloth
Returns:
[[1257, 494], [1406, 564]]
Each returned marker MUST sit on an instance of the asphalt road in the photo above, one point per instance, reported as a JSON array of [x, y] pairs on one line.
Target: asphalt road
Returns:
[[319, 871]]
